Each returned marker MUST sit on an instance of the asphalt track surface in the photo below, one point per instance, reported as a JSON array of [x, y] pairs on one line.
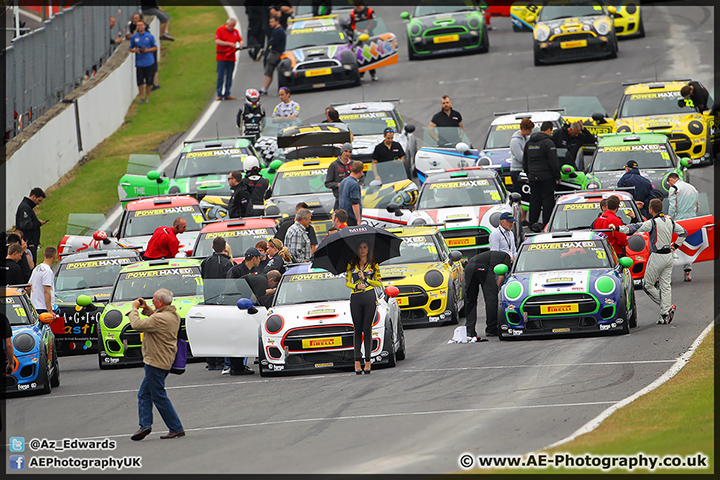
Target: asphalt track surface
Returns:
[[445, 399]]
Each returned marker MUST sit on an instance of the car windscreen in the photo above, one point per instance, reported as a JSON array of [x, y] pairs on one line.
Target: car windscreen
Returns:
[[298, 182], [311, 288], [89, 273], [647, 156], [459, 193], [447, 137], [15, 311], [572, 255], [273, 125], [238, 240], [317, 35], [555, 12], [580, 216], [182, 282], [416, 249], [499, 135], [226, 291], [369, 123], [144, 222], [657, 103], [388, 172], [211, 162], [437, 7]]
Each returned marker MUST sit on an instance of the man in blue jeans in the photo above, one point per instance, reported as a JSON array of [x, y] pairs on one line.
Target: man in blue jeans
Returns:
[[159, 346], [227, 41]]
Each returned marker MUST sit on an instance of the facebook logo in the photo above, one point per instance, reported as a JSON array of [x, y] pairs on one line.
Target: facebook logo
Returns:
[[17, 462], [17, 444]]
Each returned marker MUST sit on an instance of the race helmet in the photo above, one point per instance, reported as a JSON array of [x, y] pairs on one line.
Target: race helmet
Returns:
[[250, 162], [252, 97]]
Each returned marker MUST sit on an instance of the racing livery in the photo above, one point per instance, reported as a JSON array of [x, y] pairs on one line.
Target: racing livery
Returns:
[[36, 366], [89, 274], [563, 283], [240, 234], [118, 343], [440, 28]]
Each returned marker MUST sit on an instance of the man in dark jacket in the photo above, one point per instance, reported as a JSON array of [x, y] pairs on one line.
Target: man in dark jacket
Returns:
[[698, 95], [479, 274], [27, 263], [27, 221], [643, 192], [337, 171], [240, 203], [540, 162], [255, 185], [264, 286], [572, 137], [215, 266]]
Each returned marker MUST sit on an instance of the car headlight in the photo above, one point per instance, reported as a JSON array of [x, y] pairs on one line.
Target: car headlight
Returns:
[[603, 26], [274, 324], [631, 8], [473, 23], [513, 290], [415, 29], [695, 127], [24, 342], [434, 278], [542, 33], [113, 319]]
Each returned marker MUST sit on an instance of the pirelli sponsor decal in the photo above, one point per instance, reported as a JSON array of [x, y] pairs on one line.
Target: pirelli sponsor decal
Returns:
[[463, 184], [162, 273], [560, 308], [98, 263], [304, 277], [561, 245], [360, 116], [305, 173], [510, 126], [322, 342], [589, 206], [163, 211], [215, 153], [645, 96], [651, 147], [238, 233]]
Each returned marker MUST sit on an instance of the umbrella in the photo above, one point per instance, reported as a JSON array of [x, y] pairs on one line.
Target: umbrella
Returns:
[[337, 250]]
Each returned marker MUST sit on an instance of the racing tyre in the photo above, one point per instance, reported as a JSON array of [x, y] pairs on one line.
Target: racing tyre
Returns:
[[55, 379], [641, 28], [44, 374], [500, 332], [452, 306], [411, 52], [401, 352], [264, 371], [102, 365], [632, 318], [536, 57], [485, 42], [391, 343], [613, 50]]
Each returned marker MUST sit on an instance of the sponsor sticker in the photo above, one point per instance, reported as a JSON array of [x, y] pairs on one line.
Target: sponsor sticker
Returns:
[[559, 280], [462, 184], [303, 277], [562, 245], [163, 273], [403, 301], [560, 330], [650, 147], [358, 116], [644, 96], [305, 173], [98, 263], [214, 153], [321, 311], [560, 308], [163, 211], [319, 365], [238, 233], [510, 126], [322, 342], [460, 242]]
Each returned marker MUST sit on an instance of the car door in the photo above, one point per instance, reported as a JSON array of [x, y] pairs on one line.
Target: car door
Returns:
[[223, 330], [380, 50]]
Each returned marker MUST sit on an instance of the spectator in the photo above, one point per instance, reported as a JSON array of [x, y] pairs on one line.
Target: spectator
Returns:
[[540, 162], [332, 229], [321, 7], [297, 240], [26, 263], [228, 41], [164, 242], [286, 108], [362, 13], [114, 40], [479, 274], [339, 219], [152, 7], [264, 286], [159, 347], [446, 117], [215, 266], [257, 18], [276, 47], [262, 247], [251, 261], [142, 43], [277, 255], [603, 207], [517, 144], [682, 204], [387, 151], [289, 220], [27, 222], [609, 217], [502, 239], [255, 185], [332, 116], [132, 25], [11, 272], [643, 189], [572, 137], [697, 94], [281, 10], [42, 283], [337, 171], [350, 194], [240, 203]]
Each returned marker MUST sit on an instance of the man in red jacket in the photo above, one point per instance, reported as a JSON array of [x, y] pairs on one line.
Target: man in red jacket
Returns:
[[227, 42], [616, 239], [164, 242]]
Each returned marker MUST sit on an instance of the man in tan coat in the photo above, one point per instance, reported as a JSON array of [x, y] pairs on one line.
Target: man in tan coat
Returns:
[[159, 346]]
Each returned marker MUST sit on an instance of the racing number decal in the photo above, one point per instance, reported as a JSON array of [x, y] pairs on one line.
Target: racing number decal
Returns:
[[20, 312], [665, 155], [532, 8], [390, 122], [197, 217], [689, 103], [601, 254], [495, 195]]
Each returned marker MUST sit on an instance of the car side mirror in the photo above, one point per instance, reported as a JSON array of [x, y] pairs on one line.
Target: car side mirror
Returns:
[[598, 117], [500, 269], [530, 18], [392, 291], [681, 103], [101, 236], [364, 37], [515, 197], [455, 256], [625, 262], [612, 9], [685, 162], [409, 128], [463, 148], [405, 15], [247, 304], [46, 318], [393, 208], [275, 165]]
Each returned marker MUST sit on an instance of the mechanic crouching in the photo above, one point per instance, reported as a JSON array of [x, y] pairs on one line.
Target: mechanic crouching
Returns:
[[479, 274]]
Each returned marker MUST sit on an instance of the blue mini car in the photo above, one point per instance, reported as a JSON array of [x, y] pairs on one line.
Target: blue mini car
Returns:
[[563, 283]]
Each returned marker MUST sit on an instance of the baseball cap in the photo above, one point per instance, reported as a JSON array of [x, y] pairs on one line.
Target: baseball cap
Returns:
[[252, 252], [507, 216], [631, 164], [347, 147], [388, 130]]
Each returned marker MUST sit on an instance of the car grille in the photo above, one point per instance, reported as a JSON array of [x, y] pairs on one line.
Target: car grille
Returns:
[[318, 64], [552, 323], [482, 236], [438, 32], [571, 37], [586, 303], [417, 297], [294, 338], [338, 359], [413, 314], [131, 341], [680, 141]]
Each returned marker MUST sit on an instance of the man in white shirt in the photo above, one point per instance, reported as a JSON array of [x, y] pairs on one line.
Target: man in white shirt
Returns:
[[286, 108], [682, 203], [42, 284], [502, 238]]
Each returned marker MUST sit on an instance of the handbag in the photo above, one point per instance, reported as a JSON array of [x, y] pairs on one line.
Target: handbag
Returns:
[[178, 366]]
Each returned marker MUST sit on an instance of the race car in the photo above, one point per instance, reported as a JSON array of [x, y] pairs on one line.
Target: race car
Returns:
[[239, 233], [376, 197], [368, 120], [201, 169], [320, 52], [588, 111], [653, 153], [139, 220], [118, 343], [428, 275], [563, 283], [441, 28], [626, 16], [443, 148], [309, 326], [90, 274], [659, 107], [266, 144], [466, 204], [36, 367], [575, 30]]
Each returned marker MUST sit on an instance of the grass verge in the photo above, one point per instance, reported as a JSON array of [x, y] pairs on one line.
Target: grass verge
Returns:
[[675, 419], [187, 76]]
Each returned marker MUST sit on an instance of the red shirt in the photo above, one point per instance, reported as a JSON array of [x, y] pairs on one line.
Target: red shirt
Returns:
[[163, 244], [616, 239], [225, 53]]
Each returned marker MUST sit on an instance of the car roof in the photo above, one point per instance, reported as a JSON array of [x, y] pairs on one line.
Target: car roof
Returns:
[[152, 203], [307, 164], [364, 107], [100, 254], [304, 268], [215, 144], [238, 224], [458, 173], [12, 292], [654, 87], [627, 138], [564, 237], [594, 196], [161, 264], [409, 231], [536, 117]]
